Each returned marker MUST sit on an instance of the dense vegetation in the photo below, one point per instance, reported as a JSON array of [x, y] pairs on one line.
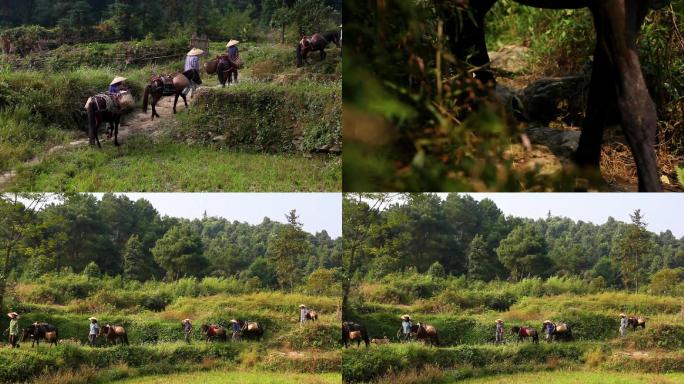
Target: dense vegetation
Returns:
[[460, 236], [66, 258], [418, 122], [126, 19], [458, 265]]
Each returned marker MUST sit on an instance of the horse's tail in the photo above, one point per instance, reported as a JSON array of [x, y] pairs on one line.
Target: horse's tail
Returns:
[[535, 337], [125, 338], [366, 340], [146, 98]]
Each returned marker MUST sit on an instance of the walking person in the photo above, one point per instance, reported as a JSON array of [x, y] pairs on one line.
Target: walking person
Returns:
[[234, 57], [117, 85], [623, 324], [406, 325], [303, 311], [192, 64], [94, 331], [548, 329], [13, 329], [499, 331], [235, 328], [187, 329]]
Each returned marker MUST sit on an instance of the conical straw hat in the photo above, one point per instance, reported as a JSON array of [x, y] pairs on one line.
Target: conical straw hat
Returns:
[[118, 79], [231, 43], [195, 52]]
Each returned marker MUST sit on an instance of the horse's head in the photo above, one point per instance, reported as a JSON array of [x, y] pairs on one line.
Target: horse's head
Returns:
[[28, 331], [515, 329]]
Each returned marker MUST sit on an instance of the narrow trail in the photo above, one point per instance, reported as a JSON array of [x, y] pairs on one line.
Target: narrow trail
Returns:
[[135, 122]]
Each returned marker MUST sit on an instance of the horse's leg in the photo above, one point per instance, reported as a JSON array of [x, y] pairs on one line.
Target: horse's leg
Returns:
[[323, 54], [175, 101], [117, 120], [184, 100], [617, 23], [467, 38]]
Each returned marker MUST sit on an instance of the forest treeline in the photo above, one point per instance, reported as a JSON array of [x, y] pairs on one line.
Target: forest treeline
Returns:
[[139, 18], [460, 236], [116, 236]]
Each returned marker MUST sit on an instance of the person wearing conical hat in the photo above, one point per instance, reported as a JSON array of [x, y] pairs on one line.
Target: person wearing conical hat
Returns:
[[623, 324], [187, 329], [549, 328], [234, 57], [116, 85], [499, 331], [406, 325], [192, 64], [303, 311], [94, 331], [13, 329]]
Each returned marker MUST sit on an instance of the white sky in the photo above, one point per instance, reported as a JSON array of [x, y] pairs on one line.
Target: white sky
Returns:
[[662, 211]]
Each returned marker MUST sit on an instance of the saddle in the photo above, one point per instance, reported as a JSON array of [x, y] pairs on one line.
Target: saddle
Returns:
[[104, 102], [167, 86]]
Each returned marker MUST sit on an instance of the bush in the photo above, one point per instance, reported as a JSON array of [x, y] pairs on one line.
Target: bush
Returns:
[[266, 117]]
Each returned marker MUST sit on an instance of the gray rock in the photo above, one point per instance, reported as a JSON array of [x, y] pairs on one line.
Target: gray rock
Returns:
[[550, 99]]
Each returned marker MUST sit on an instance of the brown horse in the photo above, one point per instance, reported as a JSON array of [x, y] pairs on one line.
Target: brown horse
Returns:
[[114, 333], [426, 332], [525, 332], [313, 43], [636, 322], [38, 331], [312, 315], [214, 331], [161, 86], [617, 92], [251, 329]]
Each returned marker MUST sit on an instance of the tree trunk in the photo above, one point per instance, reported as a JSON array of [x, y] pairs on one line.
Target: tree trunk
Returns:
[[5, 272]]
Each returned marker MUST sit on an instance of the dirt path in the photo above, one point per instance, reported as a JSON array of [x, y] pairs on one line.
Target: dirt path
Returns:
[[136, 122]]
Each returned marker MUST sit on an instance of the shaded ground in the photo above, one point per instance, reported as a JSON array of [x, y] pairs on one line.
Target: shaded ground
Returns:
[[554, 142]]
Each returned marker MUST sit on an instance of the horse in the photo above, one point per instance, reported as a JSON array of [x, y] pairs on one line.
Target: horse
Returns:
[[425, 332], [114, 333], [636, 322], [38, 331], [251, 329], [354, 332], [226, 69], [101, 108], [311, 315], [315, 42], [561, 331], [214, 331], [617, 91], [524, 332], [161, 86]]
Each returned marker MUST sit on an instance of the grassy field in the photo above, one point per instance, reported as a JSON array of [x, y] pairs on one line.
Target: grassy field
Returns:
[[261, 135], [465, 320], [246, 377], [142, 165], [576, 377], [151, 313]]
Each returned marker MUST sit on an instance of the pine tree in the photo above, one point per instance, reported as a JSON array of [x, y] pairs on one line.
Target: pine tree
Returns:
[[289, 248], [632, 249], [134, 267]]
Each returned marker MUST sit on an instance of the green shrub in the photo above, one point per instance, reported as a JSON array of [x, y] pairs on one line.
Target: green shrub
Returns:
[[266, 117]]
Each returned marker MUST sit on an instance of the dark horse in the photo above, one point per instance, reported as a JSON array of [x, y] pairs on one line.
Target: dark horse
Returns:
[[251, 329], [354, 332], [226, 69], [99, 111], [560, 331], [214, 331], [316, 42], [636, 322], [38, 331], [617, 92], [425, 332], [524, 332], [114, 333], [161, 86]]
